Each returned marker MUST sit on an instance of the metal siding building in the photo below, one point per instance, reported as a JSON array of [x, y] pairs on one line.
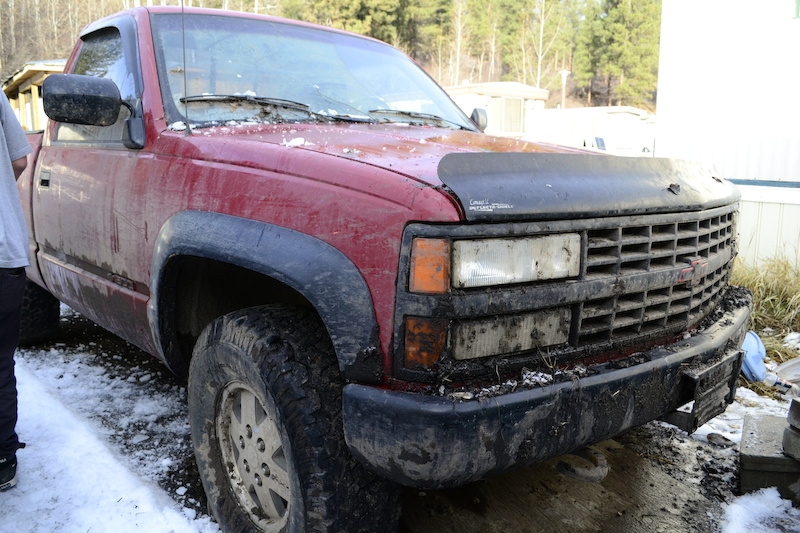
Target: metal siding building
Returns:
[[728, 95]]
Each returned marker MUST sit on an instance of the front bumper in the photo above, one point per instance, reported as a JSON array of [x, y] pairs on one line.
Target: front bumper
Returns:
[[431, 441]]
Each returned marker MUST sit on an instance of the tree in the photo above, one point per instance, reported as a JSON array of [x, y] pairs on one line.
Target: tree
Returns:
[[611, 46], [589, 50], [539, 40], [376, 18], [632, 50], [486, 25], [428, 27], [617, 51], [460, 41]]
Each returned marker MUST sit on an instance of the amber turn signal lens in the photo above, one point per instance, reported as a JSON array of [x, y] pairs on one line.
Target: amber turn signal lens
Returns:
[[425, 341], [430, 266]]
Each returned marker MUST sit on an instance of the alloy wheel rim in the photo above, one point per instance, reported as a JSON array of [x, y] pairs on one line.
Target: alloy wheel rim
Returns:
[[255, 457]]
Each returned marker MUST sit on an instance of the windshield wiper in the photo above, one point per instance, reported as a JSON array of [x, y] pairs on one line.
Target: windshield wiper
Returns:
[[289, 104], [426, 117], [279, 102], [351, 118]]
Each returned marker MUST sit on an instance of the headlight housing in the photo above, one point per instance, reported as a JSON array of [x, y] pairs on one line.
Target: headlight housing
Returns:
[[436, 264], [482, 263]]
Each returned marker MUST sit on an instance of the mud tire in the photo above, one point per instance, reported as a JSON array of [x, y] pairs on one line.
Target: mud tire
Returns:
[[282, 357], [40, 315]]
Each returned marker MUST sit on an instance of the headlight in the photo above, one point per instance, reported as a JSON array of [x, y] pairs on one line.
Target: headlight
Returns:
[[481, 263], [471, 339]]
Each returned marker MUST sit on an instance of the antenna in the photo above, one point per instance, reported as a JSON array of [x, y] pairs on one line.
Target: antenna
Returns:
[[188, 130]]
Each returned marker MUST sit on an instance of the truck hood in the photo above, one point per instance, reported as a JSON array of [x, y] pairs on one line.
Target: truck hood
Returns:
[[495, 178], [409, 150], [494, 186]]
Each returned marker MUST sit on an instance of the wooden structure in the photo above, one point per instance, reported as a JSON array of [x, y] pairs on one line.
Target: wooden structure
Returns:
[[23, 89]]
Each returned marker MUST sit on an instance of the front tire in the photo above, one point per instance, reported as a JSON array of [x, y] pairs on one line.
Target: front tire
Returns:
[[265, 410]]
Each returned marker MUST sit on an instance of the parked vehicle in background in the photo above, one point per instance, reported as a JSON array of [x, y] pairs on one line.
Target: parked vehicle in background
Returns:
[[363, 290]]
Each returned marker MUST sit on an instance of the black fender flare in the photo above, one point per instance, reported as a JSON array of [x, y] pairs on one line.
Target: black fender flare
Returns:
[[318, 271]]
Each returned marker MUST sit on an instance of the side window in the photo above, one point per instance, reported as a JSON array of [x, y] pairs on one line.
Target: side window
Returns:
[[102, 55]]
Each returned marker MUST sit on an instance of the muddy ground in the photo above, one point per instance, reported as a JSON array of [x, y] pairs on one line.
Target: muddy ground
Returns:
[[660, 479], [651, 487]]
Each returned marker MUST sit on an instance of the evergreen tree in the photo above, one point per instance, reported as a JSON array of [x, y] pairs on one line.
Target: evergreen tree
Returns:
[[375, 18], [632, 50], [428, 33], [616, 55], [589, 50]]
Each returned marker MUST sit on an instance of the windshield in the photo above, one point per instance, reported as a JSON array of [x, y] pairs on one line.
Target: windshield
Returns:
[[225, 69]]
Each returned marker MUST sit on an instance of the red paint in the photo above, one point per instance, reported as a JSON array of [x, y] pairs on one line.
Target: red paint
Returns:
[[354, 186]]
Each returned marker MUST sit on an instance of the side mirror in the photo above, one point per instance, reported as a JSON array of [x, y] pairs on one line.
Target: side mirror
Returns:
[[79, 99], [480, 118]]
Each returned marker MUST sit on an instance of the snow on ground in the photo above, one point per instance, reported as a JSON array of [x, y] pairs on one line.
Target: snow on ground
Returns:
[[108, 448], [761, 512], [793, 340], [71, 481]]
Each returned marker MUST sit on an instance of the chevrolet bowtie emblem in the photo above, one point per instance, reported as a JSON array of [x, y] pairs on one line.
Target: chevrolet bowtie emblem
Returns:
[[696, 271]]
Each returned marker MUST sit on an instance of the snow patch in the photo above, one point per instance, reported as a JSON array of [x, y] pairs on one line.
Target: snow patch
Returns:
[[792, 340], [760, 512], [71, 482], [297, 141]]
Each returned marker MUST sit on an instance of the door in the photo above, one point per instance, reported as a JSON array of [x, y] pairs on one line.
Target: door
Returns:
[[87, 194]]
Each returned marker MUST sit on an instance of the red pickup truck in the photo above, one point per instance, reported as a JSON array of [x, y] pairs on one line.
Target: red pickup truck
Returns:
[[364, 290]]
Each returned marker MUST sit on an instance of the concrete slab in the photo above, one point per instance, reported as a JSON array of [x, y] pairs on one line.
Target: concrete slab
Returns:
[[762, 462], [794, 413], [791, 442]]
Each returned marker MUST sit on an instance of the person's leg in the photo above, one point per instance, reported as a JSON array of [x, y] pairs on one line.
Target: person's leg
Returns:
[[12, 288]]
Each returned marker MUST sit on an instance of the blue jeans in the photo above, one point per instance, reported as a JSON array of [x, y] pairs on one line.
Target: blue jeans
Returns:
[[12, 288]]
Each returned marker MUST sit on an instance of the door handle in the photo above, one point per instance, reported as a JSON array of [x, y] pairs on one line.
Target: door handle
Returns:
[[44, 178]]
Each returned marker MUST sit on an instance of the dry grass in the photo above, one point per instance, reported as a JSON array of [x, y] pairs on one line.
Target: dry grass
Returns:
[[761, 388], [776, 310], [776, 349], [776, 294]]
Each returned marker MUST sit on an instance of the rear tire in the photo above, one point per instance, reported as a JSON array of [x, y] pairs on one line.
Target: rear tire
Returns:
[[265, 410], [41, 313]]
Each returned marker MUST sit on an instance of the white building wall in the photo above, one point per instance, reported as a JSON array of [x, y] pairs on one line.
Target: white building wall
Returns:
[[769, 226], [728, 95]]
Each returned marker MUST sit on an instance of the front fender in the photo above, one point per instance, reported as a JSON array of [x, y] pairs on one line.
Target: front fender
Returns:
[[314, 268]]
